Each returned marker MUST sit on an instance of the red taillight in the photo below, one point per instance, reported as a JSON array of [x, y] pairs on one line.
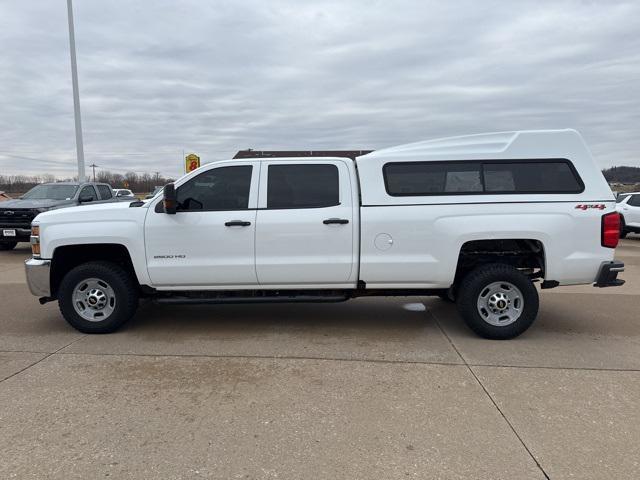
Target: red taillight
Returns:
[[610, 229]]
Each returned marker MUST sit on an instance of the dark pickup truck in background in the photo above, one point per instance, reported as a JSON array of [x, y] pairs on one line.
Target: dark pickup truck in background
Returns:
[[16, 215]]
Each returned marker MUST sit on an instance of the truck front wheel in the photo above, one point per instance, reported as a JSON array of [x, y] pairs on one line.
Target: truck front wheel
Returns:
[[97, 297], [497, 301]]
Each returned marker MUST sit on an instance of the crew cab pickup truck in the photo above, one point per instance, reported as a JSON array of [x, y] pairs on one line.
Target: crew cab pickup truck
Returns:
[[475, 219], [16, 215]]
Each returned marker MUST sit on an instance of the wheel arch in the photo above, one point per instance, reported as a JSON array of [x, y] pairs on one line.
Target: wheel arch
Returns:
[[527, 254], [67, 257]]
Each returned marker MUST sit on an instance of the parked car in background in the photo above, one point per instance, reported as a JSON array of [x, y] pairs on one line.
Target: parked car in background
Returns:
[[628, 205], [156, 190], [16, 215], [123, 194], [476, 219], [4, 196]]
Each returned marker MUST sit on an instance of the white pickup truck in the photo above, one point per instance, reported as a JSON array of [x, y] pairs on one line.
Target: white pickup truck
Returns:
[[475, 219]]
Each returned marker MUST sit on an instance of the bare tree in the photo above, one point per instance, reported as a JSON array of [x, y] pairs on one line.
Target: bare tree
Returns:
[[139, 183]]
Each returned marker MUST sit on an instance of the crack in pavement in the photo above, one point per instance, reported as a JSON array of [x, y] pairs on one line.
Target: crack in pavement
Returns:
[[38, 361], [319, 358], [489, 396]]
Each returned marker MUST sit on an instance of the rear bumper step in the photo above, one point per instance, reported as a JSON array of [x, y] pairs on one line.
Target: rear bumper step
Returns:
[[608, 275]]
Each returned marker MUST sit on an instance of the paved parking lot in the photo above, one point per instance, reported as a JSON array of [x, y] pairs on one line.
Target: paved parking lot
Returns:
[[372, 388]]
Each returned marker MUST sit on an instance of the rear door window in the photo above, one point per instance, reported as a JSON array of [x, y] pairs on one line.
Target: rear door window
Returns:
[[303, 186], [634, 201], [105, 192]]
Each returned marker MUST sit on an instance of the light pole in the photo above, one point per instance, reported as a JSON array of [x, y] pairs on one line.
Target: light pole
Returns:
[[76, 94], [93, 165]]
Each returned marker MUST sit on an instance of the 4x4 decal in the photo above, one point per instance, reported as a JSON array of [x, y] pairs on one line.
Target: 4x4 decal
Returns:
[[585, 206]]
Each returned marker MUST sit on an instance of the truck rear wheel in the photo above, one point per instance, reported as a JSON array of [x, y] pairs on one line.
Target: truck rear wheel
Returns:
[[497, 301], [8, 245], [97, 297]]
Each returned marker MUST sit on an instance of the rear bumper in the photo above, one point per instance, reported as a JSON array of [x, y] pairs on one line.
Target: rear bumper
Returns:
[[38, 276], [608, 275]]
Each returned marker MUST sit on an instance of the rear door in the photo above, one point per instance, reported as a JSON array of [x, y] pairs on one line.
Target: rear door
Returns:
[[105, 192], [305, 223]]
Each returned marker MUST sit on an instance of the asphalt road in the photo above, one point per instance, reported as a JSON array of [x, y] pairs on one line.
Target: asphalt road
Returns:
[[371, 389]]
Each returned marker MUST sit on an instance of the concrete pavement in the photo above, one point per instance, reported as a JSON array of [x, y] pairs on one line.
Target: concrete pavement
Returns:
[[373, 388]]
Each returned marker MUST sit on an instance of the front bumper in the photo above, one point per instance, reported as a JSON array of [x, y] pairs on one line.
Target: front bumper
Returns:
[[22, 234], [38, 276], [608, 275]]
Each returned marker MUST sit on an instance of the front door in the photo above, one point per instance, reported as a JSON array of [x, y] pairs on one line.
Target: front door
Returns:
[[210, 240], [305, 224]]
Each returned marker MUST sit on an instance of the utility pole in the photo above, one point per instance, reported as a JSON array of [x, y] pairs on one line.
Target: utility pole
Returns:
[[76, 94], [93, 165]]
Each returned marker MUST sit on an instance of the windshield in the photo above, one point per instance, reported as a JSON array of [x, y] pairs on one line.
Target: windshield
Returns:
[[51, 192], [621, 197]]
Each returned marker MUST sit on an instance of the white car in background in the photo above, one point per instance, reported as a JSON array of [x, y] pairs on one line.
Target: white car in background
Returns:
[[123, 194], [628, 205]]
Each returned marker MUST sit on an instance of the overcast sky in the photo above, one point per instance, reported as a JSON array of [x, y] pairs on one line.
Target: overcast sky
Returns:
[[159, 77]]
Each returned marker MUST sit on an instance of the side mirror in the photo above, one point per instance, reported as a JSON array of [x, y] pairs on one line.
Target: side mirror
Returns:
[[170, 201]]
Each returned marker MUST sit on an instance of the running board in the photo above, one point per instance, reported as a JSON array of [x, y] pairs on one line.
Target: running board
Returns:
[[181, 300]]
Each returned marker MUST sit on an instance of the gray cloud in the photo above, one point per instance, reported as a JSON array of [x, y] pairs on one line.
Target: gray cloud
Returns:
[[160, 77]]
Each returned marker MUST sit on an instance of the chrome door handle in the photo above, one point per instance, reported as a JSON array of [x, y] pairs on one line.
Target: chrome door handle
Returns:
[[339, 221], [237, 223]]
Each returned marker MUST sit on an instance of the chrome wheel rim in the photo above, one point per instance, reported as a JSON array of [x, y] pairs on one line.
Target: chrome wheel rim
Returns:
[[94, 299], [500, 303]]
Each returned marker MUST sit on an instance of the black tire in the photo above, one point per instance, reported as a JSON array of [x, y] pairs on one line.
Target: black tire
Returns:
[[8, 245], [125, 293], [623, 231], [475, 284]]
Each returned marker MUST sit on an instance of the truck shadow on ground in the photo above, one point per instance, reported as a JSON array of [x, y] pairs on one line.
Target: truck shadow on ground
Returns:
[[375, 329], [362, 315], [392, 318]]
